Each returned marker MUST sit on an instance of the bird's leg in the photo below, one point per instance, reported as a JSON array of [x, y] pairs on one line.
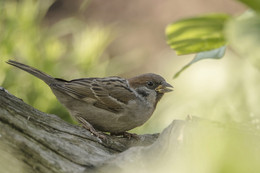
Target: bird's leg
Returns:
[[89, 127], [126, 135]]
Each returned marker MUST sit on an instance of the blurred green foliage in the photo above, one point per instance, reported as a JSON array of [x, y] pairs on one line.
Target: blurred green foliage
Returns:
[[67, 49], [238, 104], [213, 31], [253, 4], [243, 34]]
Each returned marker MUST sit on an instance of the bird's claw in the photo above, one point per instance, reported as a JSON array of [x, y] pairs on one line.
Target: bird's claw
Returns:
[[126, 135]]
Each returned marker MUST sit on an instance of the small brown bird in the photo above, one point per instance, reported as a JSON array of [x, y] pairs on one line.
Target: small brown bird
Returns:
[[110, 104]]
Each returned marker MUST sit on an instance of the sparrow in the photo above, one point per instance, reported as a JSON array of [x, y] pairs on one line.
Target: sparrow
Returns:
[[110, 104]]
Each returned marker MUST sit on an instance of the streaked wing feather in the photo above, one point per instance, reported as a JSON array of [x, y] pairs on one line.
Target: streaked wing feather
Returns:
[[110, 93]]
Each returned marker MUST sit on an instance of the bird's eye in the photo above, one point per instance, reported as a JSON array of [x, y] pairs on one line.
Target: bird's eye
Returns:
[[150, 84]]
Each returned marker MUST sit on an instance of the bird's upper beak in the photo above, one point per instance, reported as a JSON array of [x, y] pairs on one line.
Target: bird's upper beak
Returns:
[[164, 88]]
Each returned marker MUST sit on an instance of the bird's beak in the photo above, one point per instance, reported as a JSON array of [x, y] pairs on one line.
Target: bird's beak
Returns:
[[164, 88]]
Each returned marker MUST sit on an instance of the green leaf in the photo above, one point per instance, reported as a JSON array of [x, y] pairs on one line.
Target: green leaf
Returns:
[[253, 4], [212, 54], [197, 34], [243, 34]]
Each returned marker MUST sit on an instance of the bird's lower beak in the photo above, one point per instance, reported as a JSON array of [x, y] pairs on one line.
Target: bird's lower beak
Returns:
[[164, 88]]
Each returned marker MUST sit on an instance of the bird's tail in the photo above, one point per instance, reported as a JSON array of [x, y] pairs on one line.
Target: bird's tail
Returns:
[[37, 73]]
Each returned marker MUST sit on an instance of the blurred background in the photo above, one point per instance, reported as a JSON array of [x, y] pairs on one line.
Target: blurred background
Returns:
[[84, 38]]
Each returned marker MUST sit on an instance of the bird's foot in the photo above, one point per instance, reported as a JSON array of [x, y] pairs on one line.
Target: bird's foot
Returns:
[[126, 135], [96, 133], [90, 128]]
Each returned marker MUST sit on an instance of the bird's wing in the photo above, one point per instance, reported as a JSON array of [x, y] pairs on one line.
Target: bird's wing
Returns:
[[108, 93]]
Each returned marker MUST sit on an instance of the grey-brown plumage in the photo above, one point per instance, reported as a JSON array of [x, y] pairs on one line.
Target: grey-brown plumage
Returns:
[[110, 104]]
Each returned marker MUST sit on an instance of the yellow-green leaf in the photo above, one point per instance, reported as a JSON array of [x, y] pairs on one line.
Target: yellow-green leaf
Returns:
[[198, 34], [253, 4]]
